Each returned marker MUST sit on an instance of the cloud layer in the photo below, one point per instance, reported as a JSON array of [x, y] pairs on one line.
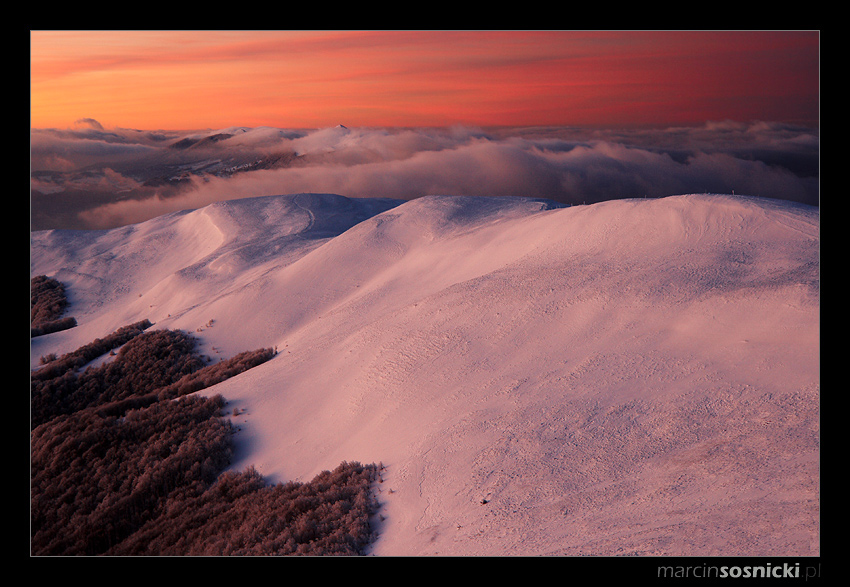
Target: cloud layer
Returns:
[[91, 177]]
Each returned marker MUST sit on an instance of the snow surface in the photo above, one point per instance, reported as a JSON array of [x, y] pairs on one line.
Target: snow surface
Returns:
[[628, 377]]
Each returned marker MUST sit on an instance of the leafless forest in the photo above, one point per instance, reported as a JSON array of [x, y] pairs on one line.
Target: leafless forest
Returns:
[[127, 460]]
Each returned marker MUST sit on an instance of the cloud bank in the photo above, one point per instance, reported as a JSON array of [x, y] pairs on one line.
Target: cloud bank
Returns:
[[91, 177]]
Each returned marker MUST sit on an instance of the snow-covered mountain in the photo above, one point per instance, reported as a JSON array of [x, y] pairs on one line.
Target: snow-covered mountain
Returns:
[[629, 377]]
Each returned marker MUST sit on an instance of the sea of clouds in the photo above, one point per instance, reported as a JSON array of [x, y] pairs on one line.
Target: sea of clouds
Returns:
[[91, 177]]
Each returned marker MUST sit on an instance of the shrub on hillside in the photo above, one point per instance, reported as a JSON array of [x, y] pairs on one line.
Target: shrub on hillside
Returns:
[[47, 299], [47, 304], [240, 515], [53, 326], [96, 479], [143, 365], [57, 388], [209, 375], [90, 351], [121, 467]]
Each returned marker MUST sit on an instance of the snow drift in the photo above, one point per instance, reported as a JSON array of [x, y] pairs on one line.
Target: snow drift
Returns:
[[629, 377]]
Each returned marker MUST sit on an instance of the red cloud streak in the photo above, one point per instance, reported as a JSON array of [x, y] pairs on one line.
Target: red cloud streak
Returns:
[[213, 79]]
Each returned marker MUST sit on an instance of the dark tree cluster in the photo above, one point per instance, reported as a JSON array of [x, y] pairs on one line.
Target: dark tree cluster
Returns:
[[57, 388], [209, 375], [96, 479], [241, 515], [47, 304], [126, 461], [91, 351]]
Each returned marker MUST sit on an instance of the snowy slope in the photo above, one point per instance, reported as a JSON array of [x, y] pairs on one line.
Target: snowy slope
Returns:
[[630, 377]]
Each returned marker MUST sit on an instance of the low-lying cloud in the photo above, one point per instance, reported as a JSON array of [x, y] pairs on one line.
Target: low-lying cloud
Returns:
[[90, 177]]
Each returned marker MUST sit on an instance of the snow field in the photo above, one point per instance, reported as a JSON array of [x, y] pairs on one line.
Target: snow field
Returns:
[[630, 377]]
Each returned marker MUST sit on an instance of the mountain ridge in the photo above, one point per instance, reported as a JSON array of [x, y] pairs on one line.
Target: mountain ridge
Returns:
[[633, 376]]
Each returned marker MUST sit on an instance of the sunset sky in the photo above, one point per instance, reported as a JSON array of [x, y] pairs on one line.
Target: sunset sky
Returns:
[[310, 79]]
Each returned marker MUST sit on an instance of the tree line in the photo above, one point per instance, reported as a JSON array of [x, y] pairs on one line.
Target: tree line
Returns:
[[127, 460]]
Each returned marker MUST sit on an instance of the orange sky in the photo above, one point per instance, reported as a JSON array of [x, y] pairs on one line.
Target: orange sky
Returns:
[[296, 79]]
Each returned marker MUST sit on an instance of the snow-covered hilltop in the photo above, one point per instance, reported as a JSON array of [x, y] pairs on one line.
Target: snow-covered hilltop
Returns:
[[629, 377]]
